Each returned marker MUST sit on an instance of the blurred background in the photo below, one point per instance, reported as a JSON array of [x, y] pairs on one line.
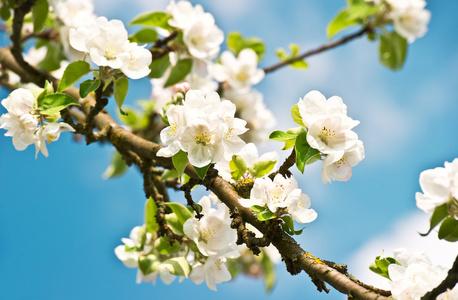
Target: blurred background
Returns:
[[60, 221]]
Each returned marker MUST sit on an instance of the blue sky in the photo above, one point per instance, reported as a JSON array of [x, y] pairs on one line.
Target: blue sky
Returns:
[[60, 221]]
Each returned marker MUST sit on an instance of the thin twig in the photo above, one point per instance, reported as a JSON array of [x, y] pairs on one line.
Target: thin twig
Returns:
[[318, 50]]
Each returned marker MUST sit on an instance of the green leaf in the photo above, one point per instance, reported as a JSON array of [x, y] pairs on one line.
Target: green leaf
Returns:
[[237, 166], [117, 167], [305, 154], [258, 209], [88, 86], [380, 265], [392, 50], [148, 264], [155, 18], [163, 246], [360, 10], [121, 86], [261, 168], [39, 14], [134, 119], [150, 216], [169, 174], [179, 71], [53, 103], [5, 12], [47, 90], [267, 215], [174, 223], [281, 136], [340, 22], [440, 213], [73, 73], [180, 161], [159, 66], [449, 230], [236, 43], [177, 266], [202, 171], [181, 211], [295, 114], [289, 144], [268, 273], [144, 36], [294, 49]]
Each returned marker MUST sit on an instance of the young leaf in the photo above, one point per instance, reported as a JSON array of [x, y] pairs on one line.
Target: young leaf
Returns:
[[440, 213], [117, 167], [297, 118], [236, 43], [73, 73], [340, 22], [150, 216], [148, 264], [177, 266], [281, 136], [39, 14], [289, 144], [5, 12], [163, 246], [449, 230], [169, 174], [144, 36], [47, 90], [121, 86], [179, 72], [202, 171], [305, 154], [159, 66], [155, 19], [380, 265], [88, 86], [392, 50], [180, 161], [257, 208], [53, 103], [261, 168], [267, 215], [54, 56], [294, 48], [175, 225], [182, 212], [237, 166]]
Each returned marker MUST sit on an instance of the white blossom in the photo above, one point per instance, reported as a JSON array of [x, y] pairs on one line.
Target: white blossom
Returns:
[[241, 72], [183, 13], [410, 18], [212, 233], [129, 257], [281, 193], [415, 276], [177, 121], [203, 38], [49, 133], [136, 61], [439, 186], [213, 271], [74, 13], [340, 168]]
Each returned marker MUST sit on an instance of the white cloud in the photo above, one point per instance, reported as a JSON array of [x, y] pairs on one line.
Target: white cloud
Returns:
[[403, 234]]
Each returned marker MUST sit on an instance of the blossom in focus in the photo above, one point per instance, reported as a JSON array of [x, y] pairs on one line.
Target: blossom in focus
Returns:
[[183, 13], [415, 275], [282, 193], [340, 169], [49, 133], [213, 271], [136, 61], [439, 186], [241, 72]]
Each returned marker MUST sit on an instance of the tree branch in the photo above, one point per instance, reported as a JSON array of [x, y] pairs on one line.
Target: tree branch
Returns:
[[448, 283], [318, 50], [287, 246]]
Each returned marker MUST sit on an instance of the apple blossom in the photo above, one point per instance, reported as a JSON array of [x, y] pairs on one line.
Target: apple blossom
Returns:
[[49, 133], [203, 38], [340, 168], [411, 22], [74, 13], [136, 61], [241, 72], [281, 193], [439, 186], [177, 121], [414, 276], [183, 13], [213, 271]]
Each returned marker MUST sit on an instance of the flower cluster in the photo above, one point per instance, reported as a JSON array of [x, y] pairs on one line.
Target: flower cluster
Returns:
[[329, 131], [107, 44], [410, 18], [215, 240], [204, 127], [281, 195], [211, 243], [26, 125], [415, 275], [439, 185]]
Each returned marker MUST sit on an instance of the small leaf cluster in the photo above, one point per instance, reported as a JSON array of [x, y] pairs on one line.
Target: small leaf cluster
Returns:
[[380, 265], [445, 215]]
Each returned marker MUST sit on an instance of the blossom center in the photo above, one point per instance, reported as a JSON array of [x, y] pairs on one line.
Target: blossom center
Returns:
[[173, 129], [202, 138], [276, 194], [197, 41], [219, 262], [207, 234], [242, 76], [228, 135], [342, 161], [326, 134], [111, 51]]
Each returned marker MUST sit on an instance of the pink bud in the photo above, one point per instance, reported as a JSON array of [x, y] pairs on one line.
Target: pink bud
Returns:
[[181, 87]]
